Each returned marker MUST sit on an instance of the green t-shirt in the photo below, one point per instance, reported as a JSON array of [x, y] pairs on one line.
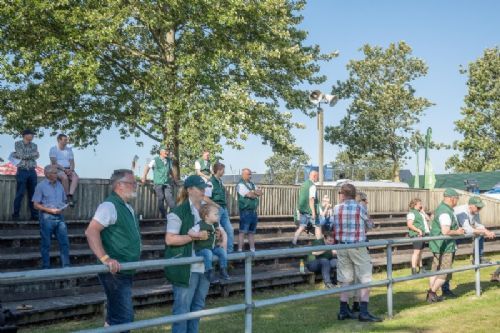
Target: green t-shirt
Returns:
[[325, 255]]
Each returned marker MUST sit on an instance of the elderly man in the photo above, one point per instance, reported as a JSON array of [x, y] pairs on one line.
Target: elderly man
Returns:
[[189, 283], [203, 167], [27, 154], [307, 206], [468, 218], [62, 157], [444, 223], [248, 200], [113, 235], [49, 199], [163, 179], [350, 223]]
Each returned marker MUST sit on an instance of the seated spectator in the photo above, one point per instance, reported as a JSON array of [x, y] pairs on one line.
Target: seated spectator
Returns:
[[325, 210], [62, 157], [49, 199], [323, 261], [209, 222]]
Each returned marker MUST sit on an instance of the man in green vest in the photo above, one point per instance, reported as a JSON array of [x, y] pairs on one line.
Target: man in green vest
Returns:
[[307, 207], [218, 196], [202, 166], [189, 283], [113, 235], [248, 200], [163, 179], [444, 223]]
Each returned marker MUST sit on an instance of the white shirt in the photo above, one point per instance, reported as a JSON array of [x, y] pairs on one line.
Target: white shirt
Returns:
[[467, 220], [106, 214], [174, 227], [445, 220], [62, 156], [152, 162], [243, 190], [209, 189], [411, 216], [312, 191]]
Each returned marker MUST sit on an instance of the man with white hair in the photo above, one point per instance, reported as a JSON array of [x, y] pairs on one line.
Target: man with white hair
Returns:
[[49, 199], [113, 235]]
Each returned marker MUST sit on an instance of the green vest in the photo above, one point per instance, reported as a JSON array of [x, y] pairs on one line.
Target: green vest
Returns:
[[161, 171], [218, 192], [418, 223], [325, 255], [443, 245], [205, 167], [179, 275], [122, 240], [303, 203], [211, 241], [246, 203]]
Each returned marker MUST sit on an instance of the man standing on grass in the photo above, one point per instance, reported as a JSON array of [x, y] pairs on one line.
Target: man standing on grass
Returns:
[[113, 235], [444, 223], [350, 220]]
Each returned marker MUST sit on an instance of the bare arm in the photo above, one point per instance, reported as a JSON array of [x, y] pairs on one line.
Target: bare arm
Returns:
[[410, 226], [93, 234], [445, 229], [313, 208], [145, 174]]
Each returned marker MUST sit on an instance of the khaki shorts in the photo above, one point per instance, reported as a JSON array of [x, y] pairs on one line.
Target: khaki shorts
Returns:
[[354, 263], [442, 261]]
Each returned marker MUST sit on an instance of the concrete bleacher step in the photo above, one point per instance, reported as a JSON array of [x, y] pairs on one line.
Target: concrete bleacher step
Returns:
[[157, 291]]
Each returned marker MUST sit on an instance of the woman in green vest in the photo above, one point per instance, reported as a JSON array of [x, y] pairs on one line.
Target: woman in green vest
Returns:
[[189, 283], [416, 228]]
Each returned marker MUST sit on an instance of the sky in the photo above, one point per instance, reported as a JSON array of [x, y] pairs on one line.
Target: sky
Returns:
[[445, 34]]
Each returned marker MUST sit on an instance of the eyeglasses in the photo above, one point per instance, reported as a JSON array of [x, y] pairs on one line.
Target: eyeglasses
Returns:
[[131, 183]]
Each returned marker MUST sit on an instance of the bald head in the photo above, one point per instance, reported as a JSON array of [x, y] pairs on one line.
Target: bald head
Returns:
[[313, 176]]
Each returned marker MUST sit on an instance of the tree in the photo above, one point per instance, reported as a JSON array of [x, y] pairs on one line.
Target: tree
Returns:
[[367, 167], [380, 120], [190, 74], [480, 125], [283, 169]]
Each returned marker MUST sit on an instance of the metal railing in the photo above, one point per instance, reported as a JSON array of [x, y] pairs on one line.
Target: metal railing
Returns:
[[249, 305]]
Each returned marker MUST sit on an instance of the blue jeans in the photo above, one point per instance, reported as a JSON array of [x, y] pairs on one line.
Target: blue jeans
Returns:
[[25, 179], [248, 221], [53, 225], [118, 289], [208, 255], [190, 299], [228, 228]]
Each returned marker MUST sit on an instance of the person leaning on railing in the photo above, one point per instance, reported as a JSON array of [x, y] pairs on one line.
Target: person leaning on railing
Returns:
[[113, 235], [417, 227], [444, 223], [350, 220]]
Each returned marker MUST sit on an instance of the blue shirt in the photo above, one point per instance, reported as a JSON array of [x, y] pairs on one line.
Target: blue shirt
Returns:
[[50, 195]]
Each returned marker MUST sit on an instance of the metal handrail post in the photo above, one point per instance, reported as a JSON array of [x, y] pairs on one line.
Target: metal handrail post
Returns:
[[477, 261], [389, 278], [248, 293]]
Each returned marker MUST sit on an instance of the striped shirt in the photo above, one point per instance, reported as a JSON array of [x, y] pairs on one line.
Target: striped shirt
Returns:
[[27, 153], [350, 222]]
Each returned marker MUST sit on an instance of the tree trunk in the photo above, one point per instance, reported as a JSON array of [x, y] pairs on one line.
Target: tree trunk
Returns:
[[395, 171]]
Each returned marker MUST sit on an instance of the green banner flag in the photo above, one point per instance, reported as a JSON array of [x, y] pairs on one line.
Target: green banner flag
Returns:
[[429, 176]]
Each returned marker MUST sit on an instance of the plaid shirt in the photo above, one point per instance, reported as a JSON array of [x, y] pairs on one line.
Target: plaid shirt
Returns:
[[350, 222], [27, 154]]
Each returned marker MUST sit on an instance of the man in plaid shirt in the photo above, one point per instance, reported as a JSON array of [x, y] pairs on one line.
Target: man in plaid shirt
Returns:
[[350, 224]]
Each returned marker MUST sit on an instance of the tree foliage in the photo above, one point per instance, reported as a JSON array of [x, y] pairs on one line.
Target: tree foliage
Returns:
[[380, 120], [480, 124], [284, 169], [368, 167], [190, 74]]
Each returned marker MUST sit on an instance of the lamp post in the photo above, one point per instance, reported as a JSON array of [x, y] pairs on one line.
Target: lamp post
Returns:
[[317, 97]]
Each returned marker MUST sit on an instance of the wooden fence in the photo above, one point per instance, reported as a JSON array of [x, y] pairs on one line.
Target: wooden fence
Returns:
[[278, 200]]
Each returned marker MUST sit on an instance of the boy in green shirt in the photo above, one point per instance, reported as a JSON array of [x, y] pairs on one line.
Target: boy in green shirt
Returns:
[[209, 215]]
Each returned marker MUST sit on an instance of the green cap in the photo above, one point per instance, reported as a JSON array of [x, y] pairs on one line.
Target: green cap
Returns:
[[195, 181], [476, 201], [449, 192]]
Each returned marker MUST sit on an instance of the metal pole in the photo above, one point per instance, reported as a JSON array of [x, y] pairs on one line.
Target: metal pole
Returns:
[[389, 278], [477, 260], [321, 143], [248, 294]]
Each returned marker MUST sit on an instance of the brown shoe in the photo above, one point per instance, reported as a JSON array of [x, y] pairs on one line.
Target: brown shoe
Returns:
[[432, 297], [495, 277]]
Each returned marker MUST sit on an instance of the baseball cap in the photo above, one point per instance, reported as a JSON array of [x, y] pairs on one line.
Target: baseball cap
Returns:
[[163, 147], [449, 192], [476, 201], [195, 181]]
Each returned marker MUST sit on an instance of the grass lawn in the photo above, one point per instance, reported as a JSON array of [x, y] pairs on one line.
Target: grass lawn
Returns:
[[412, 314]]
